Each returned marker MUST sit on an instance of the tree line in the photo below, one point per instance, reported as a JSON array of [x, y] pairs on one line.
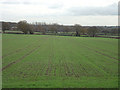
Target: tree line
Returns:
[[54, 28]]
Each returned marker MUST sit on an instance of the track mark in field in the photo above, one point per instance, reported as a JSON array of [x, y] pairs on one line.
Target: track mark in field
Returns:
[[20, 58], [84, 70], [49, 68], [42, 69], [50, 65], [16, 51], [106, 55], [105, 51], [55, 70], [21, 49], [73, 72], [96, 66], [37, 70], [60, 68], [67, 70], [100, 53], [86, 46]]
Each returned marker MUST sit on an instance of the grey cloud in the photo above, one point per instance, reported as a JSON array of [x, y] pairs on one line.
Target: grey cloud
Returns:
[[108, 10], [119, 8]]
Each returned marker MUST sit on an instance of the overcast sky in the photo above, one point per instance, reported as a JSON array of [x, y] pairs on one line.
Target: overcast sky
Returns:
[[68, 12]]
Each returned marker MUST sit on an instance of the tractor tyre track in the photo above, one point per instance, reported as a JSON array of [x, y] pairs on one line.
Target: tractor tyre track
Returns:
[[5, 67]]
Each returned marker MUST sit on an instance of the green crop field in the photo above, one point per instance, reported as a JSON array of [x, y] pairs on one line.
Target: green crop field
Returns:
[[44, 61]]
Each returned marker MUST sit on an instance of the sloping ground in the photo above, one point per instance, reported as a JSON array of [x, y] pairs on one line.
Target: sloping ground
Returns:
[[37, 61]]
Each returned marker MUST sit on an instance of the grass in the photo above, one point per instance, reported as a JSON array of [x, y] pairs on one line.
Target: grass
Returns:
[[38, 61]]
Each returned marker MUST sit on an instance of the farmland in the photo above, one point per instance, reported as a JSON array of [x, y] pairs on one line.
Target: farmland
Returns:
[[44, 61]]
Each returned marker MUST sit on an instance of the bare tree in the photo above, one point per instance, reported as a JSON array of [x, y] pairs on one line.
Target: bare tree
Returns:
[[43, 30], [66, 29], [54, 28], [78, 29], [83, 31], [114, 31], [105, 32], [92, 31], [24, 27], [31, 28], [5, 26]]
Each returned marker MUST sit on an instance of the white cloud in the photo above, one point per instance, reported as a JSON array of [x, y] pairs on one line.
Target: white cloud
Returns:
[[60, 11]]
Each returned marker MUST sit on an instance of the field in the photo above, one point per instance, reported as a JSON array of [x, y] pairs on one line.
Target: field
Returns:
[[44, 61]]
